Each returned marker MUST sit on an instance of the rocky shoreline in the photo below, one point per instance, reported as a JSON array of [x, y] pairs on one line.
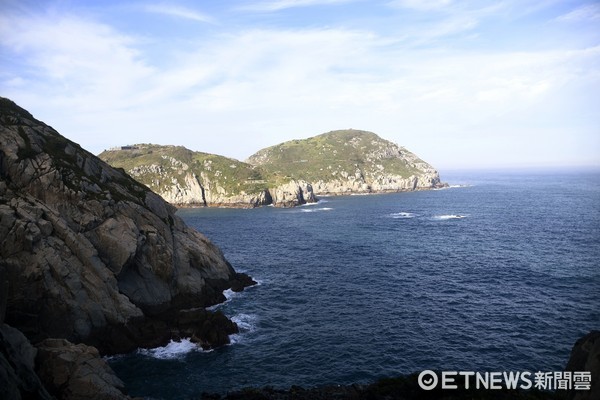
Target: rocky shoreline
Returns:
[[585, 356], [92, 263]]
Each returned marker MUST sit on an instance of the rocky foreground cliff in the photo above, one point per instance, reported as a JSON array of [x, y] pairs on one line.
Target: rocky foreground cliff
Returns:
[[288, 174], [91, 257]]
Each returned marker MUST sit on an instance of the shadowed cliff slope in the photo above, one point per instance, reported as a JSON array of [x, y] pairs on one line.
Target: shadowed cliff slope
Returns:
[[93, 256]]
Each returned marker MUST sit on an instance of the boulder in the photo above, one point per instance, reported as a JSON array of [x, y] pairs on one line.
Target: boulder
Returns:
[[585, 356], [17, 367], [77, 372]]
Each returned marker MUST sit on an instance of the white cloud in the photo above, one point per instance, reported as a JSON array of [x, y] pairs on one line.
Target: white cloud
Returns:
[[179, 12], [76, 60], [233, 93]]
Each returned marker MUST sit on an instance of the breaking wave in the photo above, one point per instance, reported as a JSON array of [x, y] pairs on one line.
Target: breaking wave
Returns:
[[246, 324], [449, 216], [172, 350], [402, 215], [317, 209]]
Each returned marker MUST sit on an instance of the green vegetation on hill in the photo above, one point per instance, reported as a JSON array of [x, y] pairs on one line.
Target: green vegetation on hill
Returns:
[[159, 167], [337, 162], [335, 154]]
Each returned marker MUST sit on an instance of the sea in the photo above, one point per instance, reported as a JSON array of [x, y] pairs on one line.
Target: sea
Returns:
[[498, 272]]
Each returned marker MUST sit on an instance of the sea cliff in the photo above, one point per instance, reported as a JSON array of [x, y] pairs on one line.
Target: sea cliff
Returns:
[[190, 179], [90, 257], [286, 175]]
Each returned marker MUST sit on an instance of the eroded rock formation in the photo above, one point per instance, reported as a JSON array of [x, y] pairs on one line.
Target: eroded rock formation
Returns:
[[90, 257]]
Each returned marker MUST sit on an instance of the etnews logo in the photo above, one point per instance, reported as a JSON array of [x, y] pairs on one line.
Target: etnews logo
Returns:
[[564, 380]]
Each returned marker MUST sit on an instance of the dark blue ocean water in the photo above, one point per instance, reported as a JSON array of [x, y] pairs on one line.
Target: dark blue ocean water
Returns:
[[502, 274]]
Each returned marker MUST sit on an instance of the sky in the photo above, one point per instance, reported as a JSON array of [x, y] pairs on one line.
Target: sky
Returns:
[[463, 84]]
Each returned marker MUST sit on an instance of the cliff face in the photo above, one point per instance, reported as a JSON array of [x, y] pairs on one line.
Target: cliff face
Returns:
[[285, 175], [89, 254], [348, 161], [186, 178]]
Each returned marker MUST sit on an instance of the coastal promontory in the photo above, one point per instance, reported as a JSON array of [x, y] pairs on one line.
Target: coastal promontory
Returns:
[[90, 256], [348, 162], [187, 178], [288, 174]]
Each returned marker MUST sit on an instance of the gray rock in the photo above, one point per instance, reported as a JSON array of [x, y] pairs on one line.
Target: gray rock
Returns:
[[92, 255], [585, 356], [17, 367], [77, 372]]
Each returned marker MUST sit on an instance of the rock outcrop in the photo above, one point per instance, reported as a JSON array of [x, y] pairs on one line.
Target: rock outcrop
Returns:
[[18, 378], [89, 255], [92, 255], [187, 178], [285, 175], [293, 193], [585, 356], [76, 372]]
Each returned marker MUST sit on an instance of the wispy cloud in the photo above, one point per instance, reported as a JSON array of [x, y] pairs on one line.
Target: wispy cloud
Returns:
[[589, 12], [277, 5], [256, 86], [179, 12], [421, 5]]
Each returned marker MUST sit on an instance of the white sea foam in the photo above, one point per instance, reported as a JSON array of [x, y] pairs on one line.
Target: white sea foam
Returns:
[[317, 209], [172, 350], [402, 215], [246, 323], [453, 187], [229, 294], [449, 216], [320, 201]]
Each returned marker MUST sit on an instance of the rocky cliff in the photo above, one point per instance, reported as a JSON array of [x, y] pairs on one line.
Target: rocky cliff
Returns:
[[187, 178], [285, 175], [91, 256], [348, 161]]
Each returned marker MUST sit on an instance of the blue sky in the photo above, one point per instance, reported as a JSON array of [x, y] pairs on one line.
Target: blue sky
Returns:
[[464, 84]]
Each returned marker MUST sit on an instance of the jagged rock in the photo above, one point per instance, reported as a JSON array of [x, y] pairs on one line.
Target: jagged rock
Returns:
[[77, 372], [285, 175], [91, 255], [186, 178], [240, 281], [585, 356], [17, 367], [213, 328], [292, 194]]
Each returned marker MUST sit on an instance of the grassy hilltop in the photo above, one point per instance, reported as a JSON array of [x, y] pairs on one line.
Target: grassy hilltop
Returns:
[[337, 162], [159, 167], [332, 154]]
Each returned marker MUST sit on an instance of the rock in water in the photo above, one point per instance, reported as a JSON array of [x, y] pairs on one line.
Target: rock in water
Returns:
[[90, 254], [585, 356], [76, 372]]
